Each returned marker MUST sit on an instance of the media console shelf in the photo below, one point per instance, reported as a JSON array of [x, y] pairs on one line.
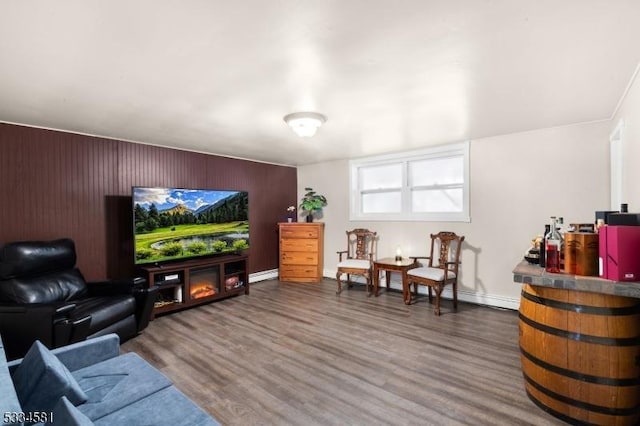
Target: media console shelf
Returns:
[[193, 282]]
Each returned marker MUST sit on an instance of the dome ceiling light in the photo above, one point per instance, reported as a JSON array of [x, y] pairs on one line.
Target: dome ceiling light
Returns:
[[305, 124]]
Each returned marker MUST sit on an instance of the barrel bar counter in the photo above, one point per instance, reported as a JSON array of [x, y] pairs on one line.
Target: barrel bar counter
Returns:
[[580, 346]]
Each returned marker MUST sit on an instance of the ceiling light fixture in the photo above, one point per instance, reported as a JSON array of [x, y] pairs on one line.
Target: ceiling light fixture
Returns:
[[305, 124]]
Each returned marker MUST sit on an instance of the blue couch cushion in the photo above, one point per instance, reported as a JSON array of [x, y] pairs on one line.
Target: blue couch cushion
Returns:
[[116, 383], [65, 413], [41, 380], [8, 399], [168, 407]]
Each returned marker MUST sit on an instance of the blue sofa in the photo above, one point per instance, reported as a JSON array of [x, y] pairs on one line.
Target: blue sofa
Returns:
[[117, 389]]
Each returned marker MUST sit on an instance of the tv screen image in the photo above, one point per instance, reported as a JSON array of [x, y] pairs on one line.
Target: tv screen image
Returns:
[[178, 223]]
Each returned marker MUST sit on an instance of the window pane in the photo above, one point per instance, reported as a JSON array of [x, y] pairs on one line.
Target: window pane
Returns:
[[381, 177], [436, 171], [381, 202], [437, 201]]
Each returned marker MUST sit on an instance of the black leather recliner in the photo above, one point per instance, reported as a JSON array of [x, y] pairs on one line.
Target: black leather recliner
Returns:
[[43, 296]]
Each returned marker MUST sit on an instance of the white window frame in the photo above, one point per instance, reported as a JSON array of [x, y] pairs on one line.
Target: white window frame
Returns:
[[405, 214]]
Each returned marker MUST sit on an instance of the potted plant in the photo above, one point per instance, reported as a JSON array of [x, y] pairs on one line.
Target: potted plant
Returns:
[[312, 202]]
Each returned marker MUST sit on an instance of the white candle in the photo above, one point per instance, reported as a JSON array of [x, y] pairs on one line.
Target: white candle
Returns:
[[398, 253]]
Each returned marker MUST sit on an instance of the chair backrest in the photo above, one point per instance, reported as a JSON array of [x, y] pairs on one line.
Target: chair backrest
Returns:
[[40, 272], [360, 244], [447, 244]]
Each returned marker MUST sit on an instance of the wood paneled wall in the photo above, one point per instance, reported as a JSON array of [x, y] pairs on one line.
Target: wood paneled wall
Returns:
[[56, 184]]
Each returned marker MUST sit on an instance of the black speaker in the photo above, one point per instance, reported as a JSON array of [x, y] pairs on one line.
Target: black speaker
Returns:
[[629, 219]]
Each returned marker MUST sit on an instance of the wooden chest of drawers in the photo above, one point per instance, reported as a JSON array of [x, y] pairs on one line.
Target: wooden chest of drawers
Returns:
[[301, 251]]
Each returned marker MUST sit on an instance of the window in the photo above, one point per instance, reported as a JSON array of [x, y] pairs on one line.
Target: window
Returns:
[[430, 184]]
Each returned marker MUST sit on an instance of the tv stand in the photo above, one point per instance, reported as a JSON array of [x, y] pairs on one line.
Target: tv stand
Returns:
[[182, 285]]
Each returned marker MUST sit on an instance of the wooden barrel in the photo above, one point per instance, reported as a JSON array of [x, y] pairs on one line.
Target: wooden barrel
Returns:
[[580, 354]]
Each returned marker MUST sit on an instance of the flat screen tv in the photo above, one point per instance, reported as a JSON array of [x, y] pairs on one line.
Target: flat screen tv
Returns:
[[179, 223]]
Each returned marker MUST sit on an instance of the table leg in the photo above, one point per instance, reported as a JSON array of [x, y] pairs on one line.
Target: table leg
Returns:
[[387, 275], [375, 279], [406, 292]]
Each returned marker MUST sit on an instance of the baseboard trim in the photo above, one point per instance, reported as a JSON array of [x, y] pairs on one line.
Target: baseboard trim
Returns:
[[493, 300], [464, 295], [263, 275]]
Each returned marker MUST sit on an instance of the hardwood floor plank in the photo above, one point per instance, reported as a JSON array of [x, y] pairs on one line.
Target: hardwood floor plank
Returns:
[[298, 354]]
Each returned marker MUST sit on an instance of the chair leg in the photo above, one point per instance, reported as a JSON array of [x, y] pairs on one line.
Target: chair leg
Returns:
[[430, 295], [348, 280], [367, 284], [339, 283], [455, 295], [438, 289]]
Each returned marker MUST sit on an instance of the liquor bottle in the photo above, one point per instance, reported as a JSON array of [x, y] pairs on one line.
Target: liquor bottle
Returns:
[[562, 230], [553, 245], [542, 248]]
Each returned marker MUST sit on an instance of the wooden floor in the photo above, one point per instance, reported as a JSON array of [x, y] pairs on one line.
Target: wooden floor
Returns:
[[298, 354]]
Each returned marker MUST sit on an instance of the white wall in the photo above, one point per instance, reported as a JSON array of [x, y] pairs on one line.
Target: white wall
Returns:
[[517, 182], [629, 112]]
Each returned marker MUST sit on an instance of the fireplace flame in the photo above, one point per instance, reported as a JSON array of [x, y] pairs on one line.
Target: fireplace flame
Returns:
[[202, 290]]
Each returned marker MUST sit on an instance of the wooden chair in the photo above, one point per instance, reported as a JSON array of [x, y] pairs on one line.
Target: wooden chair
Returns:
[[446, 246], [359, 257]]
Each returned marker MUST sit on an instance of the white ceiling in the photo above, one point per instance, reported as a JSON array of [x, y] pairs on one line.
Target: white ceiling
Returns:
[[217, 76]]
